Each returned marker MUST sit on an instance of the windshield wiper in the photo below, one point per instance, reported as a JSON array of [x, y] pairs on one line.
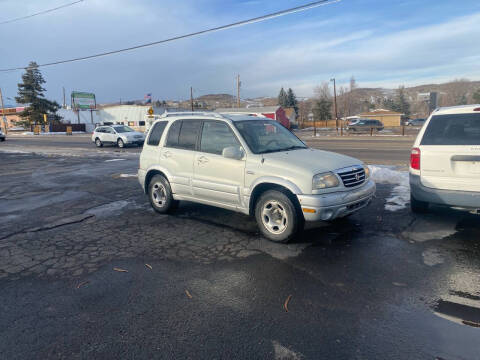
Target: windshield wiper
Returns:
[[296, 147]]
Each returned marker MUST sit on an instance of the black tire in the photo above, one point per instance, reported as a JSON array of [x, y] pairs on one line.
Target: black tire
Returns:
[[98, 142], [279, 230], [417, 206], [120, 143], [157, 187]]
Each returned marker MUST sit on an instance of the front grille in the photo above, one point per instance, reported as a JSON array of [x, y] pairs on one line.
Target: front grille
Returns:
[[352, 176]]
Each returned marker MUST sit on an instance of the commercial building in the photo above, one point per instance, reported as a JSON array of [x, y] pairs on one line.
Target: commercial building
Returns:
[[389, 118]]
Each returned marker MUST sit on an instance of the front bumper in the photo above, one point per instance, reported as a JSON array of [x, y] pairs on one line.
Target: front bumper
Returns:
[[336, 205], [141, 178], [453, 198]]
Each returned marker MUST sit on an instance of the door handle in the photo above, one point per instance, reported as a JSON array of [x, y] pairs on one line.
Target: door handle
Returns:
[[202, 160], [167, 154]]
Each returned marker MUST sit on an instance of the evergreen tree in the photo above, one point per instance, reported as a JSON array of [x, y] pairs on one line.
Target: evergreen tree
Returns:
[[402, 104], [463, 100], [30, 93], [323, 109], [282, 98], [292, 100], [476, 96]]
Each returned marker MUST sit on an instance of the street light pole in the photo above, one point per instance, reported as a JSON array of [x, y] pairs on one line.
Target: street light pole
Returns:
[[335, 101]]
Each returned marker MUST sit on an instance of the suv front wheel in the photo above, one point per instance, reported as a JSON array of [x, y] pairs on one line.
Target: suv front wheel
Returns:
[[160, 195], [277, 217]]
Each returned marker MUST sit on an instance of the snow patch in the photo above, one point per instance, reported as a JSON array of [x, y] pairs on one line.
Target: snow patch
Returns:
[[53, 133], [128, 175], [400, 195], [284, 353], [108, 209], [110, 160], [432, 257]]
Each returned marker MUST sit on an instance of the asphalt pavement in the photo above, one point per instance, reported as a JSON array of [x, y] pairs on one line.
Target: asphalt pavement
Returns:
[[88, 270]]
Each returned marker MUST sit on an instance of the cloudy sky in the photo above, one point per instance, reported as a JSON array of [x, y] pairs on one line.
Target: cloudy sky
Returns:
[[380, 42]]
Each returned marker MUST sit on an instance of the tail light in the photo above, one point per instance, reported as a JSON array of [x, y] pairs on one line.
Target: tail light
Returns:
[[415, 159], [476, 109]]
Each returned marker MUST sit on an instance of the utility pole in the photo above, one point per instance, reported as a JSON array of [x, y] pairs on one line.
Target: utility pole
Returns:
[[64, 102], [191, 97], [335, 102], [238, 91], [4, 118]]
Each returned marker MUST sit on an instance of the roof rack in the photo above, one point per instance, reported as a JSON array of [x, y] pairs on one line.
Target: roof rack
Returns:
[[191, 113]]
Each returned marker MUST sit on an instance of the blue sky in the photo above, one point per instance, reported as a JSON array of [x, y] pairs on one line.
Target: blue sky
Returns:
[[381, 43]]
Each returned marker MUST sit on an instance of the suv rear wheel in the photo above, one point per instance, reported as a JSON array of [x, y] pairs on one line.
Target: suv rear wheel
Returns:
[[98, 142], [160, 195], [277, 216], [417, 206]]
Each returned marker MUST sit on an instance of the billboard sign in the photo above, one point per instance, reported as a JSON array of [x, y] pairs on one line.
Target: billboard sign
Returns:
[[83, 101]]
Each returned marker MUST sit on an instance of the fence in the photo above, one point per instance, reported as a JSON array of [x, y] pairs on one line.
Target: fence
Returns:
[[60, 127]]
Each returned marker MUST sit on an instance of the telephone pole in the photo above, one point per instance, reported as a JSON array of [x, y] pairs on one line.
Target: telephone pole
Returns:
[[4, 118], [64, 101], [191, 97], [238, 90], [335, 102]]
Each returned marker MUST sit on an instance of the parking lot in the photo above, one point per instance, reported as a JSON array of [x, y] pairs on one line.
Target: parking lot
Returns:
[[89, 270]]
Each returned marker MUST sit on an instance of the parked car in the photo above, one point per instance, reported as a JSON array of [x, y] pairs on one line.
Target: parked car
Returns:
[[366, 125], [250, 165], [2, 136], [415, 122], [445, 160], [119, 135]]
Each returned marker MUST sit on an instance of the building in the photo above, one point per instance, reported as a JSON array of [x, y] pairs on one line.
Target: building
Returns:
[[12, 114], [291, 114], [389, 118], [273, 112]]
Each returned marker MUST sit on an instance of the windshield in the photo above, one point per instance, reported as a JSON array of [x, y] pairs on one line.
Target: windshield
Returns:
[[123, 129], [263, 136]]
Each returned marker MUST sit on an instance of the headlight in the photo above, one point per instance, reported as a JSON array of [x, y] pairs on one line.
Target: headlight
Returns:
[[367, 171], [325, 180]]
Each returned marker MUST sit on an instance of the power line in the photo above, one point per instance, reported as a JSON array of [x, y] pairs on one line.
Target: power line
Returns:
[[218, 28], [39, 13]]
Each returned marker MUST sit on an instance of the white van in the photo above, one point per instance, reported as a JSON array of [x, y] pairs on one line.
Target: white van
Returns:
[[445, 160]]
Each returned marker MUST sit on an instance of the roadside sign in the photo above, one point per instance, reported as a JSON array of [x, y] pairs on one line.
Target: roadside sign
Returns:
[[150, 110], [37, 129], [83, 101], [69, 130]]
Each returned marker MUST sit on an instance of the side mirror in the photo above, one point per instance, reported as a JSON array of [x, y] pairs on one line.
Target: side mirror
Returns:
[[233, 152]]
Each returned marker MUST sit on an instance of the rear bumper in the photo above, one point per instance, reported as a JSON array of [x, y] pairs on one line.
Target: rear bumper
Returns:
[[336, 205], [464, 199]]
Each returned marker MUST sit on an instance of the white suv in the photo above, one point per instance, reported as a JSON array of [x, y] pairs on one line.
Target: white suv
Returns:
[[119, 135], [251, 165], [445, 160]]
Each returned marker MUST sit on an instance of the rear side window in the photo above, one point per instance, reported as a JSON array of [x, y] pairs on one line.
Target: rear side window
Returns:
[[455, 129], [173, 132], [184, 134], [189, 134], [156, 133]]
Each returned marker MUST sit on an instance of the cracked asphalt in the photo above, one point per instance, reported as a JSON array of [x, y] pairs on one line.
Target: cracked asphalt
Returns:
[[203, 283]]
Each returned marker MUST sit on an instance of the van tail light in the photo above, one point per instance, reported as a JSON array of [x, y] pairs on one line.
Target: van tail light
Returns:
[[415, 159], [476, 109]]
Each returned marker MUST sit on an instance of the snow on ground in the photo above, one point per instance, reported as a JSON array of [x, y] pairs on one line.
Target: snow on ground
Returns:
[[400, 195], [53, 133], [110, 160], [128, 175]]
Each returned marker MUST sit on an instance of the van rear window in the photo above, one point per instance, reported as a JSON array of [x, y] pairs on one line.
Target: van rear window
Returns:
[[454, 129]]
